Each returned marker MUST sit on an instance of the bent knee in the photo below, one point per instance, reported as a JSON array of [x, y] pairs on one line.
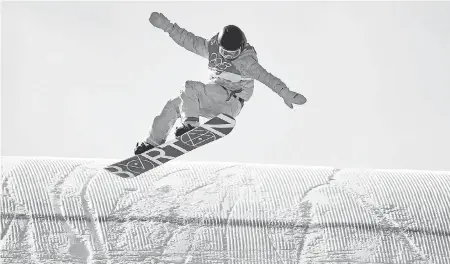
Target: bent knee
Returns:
[[172, 106], [193, 87]]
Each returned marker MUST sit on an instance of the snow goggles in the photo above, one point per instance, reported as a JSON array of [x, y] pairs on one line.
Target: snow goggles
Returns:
[[229, 54]]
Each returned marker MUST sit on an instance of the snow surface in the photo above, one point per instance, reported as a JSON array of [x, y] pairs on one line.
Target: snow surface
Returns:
[[72, 211]]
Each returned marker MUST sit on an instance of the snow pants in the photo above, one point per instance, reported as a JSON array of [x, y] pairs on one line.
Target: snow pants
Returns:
[[196, 99]]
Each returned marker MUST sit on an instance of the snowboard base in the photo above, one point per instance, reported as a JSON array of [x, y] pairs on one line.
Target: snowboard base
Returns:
[[212, 130]]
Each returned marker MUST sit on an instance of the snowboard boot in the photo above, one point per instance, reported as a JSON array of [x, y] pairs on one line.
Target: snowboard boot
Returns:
[[143, 147], [183, 129]]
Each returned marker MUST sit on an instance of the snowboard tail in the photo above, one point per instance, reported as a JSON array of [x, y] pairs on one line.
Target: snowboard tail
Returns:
[[212, 130]]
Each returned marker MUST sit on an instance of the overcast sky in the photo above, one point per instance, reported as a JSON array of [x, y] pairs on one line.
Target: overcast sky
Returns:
[[87, 79]]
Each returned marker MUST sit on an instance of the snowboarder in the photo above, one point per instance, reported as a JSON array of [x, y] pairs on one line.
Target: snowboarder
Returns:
[[233, 67]]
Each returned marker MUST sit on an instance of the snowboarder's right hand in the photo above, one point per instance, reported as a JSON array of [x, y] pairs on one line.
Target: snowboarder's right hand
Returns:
[[160, 21]]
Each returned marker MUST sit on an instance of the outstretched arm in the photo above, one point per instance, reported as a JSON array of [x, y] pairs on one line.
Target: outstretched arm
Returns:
[[251, 67], [181, 36]]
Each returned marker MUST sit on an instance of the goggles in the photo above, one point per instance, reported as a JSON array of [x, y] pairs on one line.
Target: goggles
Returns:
[[229, 54]]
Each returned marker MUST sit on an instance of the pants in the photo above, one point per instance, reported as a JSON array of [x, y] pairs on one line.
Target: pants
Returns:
[[196, 99]]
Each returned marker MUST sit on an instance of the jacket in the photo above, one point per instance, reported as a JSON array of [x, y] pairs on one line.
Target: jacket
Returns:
[[237, 75]]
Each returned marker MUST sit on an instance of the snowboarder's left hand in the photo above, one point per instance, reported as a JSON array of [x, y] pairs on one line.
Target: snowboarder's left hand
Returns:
[[291, 98]]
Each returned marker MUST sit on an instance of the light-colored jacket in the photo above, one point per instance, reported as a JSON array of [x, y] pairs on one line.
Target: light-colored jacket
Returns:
[[237, 75]]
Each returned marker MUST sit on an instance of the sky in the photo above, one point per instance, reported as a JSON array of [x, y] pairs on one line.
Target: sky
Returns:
[[86, 79]]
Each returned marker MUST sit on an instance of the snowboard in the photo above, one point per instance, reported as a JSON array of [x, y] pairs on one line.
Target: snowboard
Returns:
[[210, 131]]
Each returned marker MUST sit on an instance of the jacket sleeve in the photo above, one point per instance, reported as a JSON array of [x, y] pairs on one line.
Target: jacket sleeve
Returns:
[[250, 66], [188, 40]]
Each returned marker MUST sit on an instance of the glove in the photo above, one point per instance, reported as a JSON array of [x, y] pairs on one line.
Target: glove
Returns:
[[291, 97], [160, 21]]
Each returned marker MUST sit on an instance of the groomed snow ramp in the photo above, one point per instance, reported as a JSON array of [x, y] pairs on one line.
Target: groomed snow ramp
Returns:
[[73, 211]]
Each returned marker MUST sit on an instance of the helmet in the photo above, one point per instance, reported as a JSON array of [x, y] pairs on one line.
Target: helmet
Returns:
[[231, 41], [231, 37]]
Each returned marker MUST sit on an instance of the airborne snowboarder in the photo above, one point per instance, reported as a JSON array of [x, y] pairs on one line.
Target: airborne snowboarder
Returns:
[[233, 66]]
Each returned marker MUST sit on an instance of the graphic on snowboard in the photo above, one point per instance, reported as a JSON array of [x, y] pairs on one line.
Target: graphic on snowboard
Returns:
[[212, 130]]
